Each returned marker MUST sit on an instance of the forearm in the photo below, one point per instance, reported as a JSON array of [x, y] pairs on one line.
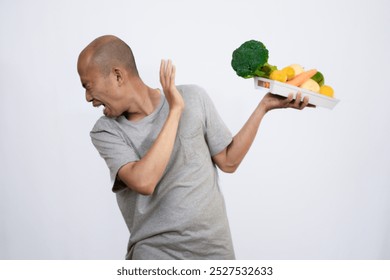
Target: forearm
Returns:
[[154, 163], [229, 159], [143, 175], [243, 140]]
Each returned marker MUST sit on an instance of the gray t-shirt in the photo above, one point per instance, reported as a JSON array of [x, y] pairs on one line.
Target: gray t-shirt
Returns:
[[185, 217]]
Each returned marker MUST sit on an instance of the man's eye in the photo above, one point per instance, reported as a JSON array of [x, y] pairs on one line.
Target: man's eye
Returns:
[[87, 87]]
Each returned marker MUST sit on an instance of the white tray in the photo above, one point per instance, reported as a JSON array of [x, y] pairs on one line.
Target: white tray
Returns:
[[284, 89]]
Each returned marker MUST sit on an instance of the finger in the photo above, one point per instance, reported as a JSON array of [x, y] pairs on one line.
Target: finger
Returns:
[[162, 67], [173, 75], [298, 99], [304, 103], [288, 100], [168, 72]]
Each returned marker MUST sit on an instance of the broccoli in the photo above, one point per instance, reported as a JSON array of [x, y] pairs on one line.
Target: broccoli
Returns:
[[250, 60]]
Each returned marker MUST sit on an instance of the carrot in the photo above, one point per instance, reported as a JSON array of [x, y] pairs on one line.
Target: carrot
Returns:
[[301, 78]]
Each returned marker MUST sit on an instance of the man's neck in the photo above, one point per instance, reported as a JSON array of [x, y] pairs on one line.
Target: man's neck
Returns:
[[144, 102]]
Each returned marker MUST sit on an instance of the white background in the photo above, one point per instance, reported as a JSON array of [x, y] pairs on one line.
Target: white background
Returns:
[[315, 184]]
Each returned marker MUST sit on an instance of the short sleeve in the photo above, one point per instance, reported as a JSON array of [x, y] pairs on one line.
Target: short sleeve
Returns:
[[113, 148], [218, 136]]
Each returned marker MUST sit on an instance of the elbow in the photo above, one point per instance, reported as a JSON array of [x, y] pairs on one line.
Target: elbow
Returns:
[[229, 168], [146, 191], [225, 164], [143, 187], [137, 181]]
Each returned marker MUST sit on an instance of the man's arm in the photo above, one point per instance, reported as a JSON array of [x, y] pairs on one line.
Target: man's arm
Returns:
[[142, 176], [230, 158]]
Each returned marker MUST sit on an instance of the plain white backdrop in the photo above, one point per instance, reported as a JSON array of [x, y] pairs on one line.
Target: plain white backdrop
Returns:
[[315, 184]]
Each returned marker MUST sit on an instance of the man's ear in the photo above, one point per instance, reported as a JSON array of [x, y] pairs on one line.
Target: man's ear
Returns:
[[118, 76]]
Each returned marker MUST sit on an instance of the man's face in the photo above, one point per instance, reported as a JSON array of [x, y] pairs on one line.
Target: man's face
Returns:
[[101, 90]]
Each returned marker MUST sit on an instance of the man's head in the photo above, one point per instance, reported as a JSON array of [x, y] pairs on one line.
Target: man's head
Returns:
[[108, 52], [104, 66]]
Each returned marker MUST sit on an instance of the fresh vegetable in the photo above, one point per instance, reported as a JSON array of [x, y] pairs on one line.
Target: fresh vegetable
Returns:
[[290, 72], [267, 69], [249, 58], [301, 78], [311, 85], [327, 90], [298, 69], [319, 78], [278, 75]]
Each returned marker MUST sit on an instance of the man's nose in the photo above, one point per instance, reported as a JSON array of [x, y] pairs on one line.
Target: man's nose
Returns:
[[88, 97]]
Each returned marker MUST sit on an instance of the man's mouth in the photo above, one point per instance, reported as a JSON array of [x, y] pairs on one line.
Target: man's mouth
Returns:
[[97, 105]]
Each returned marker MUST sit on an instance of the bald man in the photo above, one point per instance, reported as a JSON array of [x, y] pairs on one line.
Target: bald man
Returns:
[[163, 147]]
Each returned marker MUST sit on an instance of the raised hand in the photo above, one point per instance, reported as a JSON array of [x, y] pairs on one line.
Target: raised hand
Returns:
[[167, 80]]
